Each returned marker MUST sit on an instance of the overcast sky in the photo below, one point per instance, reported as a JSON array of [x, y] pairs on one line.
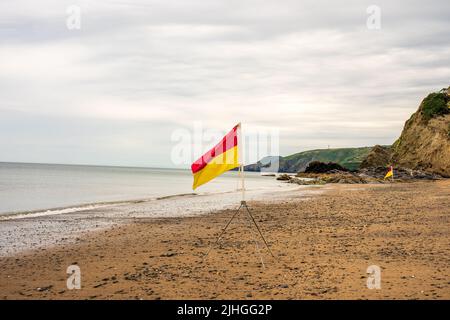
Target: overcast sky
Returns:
[[114, 91]]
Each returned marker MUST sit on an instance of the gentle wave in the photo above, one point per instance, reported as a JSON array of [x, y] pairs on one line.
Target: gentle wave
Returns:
[[93, 206], [50, 212]]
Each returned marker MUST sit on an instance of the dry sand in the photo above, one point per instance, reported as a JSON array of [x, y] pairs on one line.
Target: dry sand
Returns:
[[323, 246]]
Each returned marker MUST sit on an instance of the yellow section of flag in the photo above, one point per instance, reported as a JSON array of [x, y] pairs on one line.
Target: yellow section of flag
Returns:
[[390, 173], [217, 166]]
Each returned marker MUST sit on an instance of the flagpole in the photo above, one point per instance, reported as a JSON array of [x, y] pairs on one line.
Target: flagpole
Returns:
[[241, 160], [238, 181], [243, 202], [242, 183]]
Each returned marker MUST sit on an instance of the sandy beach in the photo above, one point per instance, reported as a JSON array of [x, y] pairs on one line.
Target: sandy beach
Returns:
[[323, 244]]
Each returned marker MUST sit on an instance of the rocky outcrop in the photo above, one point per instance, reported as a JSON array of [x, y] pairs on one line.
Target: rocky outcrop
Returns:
[[366, 175], [331, 177], [284, 177], [402, 174], [322, 167], [424, 143], [379, 156]]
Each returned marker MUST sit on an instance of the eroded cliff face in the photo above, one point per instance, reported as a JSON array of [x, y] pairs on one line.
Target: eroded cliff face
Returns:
[[425, 140], [379, 156]]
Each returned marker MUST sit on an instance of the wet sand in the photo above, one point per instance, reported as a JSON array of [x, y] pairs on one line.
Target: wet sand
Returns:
[[322, 244], [42, 229]]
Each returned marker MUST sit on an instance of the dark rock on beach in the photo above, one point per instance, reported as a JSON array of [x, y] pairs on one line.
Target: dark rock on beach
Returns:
[[284, 177], [366, 175], [322, 167], [399, 173]]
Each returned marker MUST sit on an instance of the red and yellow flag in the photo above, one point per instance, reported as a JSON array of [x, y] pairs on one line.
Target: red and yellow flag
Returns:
[[390, 173], [223, 157]]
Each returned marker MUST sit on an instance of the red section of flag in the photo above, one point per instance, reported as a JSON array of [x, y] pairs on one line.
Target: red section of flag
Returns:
[[228, 142]]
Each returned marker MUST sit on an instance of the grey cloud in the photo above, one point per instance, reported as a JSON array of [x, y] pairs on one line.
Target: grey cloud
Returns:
[[310, 67]]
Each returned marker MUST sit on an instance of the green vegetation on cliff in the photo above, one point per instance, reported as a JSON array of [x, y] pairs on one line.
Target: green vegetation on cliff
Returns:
[[434, 104], [349, 158]]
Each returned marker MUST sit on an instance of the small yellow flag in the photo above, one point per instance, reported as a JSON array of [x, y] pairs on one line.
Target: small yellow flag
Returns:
[[390, 173]]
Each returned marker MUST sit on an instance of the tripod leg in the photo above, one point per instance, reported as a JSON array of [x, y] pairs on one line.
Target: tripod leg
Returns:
[[221, 234], [256, 241], [260, 233]]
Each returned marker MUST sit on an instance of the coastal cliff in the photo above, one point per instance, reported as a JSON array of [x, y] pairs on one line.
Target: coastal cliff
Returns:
[[424, 143]]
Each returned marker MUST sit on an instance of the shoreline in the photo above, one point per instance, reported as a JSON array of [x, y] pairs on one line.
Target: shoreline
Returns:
[[323, 246], [34, 230], [33, 189], [83, 206]]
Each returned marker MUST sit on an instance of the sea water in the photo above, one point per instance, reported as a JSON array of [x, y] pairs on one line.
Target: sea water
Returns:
[[34, 187]]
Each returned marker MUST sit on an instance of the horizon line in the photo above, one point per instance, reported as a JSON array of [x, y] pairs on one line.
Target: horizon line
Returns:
[[93, 165], [166, 168]]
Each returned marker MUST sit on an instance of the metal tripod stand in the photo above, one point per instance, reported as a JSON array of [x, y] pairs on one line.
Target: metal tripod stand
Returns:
[[242, 206]]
